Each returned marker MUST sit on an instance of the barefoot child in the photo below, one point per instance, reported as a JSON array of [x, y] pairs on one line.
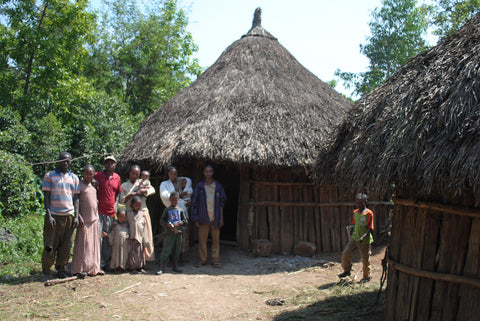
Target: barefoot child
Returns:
[[86, 254], [118, 239], [174, 220], [139, 235]]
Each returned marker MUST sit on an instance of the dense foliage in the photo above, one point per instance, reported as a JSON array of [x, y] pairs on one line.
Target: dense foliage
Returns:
[[398, 33], [71, 80]]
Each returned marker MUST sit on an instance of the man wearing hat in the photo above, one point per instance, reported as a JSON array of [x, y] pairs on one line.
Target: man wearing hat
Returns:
[[108, 192]]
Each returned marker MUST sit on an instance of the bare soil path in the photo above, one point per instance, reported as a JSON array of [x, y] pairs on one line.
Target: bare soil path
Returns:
[[237, 291]]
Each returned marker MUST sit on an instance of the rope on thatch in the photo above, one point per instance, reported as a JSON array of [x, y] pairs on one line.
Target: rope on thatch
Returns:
[[440, 207], [257, 18], [453, 278]]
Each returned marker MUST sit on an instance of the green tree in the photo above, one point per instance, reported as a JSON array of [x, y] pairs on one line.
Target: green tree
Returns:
[[43, 43], [143, 55], [450, 15], [397, 34]]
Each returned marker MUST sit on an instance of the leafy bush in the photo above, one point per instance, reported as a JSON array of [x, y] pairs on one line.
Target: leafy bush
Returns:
[[20, 189], [22, 257]]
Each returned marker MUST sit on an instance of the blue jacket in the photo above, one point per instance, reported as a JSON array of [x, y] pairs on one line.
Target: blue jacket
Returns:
[[199, 204]]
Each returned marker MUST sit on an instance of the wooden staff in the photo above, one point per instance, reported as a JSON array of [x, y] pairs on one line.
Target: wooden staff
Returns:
[[58, 281]]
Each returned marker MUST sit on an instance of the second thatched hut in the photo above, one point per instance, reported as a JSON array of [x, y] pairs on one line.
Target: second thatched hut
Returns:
[[421, 131], [260, 117]]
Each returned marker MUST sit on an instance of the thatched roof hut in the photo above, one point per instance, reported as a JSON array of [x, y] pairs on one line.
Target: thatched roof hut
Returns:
[[421, 128], [260, 117], [421, 131], [255, 105]]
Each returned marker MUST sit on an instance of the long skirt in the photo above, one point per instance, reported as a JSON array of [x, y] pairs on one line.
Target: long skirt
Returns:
[[135, 260], [86, 253]]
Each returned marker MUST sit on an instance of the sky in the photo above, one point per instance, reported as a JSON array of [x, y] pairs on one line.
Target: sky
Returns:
[[322, 35]]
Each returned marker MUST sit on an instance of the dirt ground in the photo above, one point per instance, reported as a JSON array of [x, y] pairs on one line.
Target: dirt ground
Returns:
[[238, 290]]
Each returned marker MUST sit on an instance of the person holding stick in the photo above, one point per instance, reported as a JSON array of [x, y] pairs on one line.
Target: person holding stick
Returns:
[[361, 239]]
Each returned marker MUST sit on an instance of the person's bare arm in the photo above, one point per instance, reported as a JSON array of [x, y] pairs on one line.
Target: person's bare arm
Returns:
[[46, 202], [76, 206]]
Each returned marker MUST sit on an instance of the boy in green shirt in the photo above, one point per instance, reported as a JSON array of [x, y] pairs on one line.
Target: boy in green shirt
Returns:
[[361, 239]]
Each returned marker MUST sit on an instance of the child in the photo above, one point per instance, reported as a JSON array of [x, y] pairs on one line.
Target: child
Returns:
[[145, 180], [361, 239], [174, 220], [139, 236], [86, 254], [118, 239]]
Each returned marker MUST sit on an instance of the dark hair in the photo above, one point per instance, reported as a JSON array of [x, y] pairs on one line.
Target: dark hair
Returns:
[[64, 155], [170, 168], [87, 167], [362, 197], [174, 194], [121, 210], [136, 199], [208, 166], [133, 166], [147, 172]]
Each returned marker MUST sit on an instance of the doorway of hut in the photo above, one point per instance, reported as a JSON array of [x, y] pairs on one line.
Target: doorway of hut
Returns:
[[229, 177]]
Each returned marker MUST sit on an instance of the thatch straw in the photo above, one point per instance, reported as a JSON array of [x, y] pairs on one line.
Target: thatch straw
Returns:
[[257, 104], [420, 130]]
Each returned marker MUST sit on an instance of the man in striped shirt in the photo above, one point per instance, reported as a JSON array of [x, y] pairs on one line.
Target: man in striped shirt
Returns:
[[61, 190]]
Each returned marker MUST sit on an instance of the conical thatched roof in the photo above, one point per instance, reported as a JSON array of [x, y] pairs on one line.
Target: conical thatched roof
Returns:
[[256, 104], [420, 130]]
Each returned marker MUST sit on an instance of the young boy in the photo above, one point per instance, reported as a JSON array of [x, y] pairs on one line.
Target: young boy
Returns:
[[361, 240], [139, 234], [174, 220], [118, 239]]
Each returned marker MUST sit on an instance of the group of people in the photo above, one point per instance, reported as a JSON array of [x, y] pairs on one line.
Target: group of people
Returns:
[[114, 230]]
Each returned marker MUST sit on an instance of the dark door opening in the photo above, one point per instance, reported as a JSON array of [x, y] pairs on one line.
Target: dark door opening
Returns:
[[229, 177]]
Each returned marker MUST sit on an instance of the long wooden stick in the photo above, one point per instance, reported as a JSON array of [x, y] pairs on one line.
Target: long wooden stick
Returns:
[[58, 281], [439, 207], [434, 275], [128, 287]]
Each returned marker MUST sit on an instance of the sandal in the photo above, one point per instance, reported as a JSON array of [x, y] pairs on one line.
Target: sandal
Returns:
[[199, 264], [216, 265]]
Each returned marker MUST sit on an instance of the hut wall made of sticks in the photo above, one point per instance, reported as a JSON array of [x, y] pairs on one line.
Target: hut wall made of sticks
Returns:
[[280, 205]]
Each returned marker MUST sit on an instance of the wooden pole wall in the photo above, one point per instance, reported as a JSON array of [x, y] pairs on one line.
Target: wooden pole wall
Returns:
[[431, 241], [284, 207]]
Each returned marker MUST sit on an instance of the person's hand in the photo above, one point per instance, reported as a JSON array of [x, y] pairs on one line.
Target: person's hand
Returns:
[[141, 191], [221, 224], [81, 222], [182, 194], [51, 220], [361, 239], [104, 234], [188, 203], [197, 225], [75, 221], [179, 223]]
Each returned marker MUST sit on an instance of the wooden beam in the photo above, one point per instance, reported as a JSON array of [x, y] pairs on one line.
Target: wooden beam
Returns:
[[440, 207], [434, 275], [310, 204], [281, 183]]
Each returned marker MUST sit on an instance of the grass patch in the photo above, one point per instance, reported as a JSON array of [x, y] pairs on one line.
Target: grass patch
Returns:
[[22, 258], [336, 301]]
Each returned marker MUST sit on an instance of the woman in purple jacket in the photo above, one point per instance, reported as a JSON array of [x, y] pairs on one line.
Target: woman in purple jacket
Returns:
[[208, 201]]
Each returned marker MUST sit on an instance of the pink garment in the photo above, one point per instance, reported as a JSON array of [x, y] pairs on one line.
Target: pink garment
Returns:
[[86, 254]]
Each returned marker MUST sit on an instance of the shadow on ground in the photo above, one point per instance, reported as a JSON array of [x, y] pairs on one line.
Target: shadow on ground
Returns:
[[360, 306]]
